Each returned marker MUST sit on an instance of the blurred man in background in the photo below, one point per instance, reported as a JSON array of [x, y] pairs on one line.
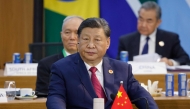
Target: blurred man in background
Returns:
[[150, 39], [69, 38]]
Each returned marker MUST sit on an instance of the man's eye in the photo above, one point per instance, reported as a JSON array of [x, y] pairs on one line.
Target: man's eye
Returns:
[[97, 39], [149, 21], [67, 32], [85, 38]]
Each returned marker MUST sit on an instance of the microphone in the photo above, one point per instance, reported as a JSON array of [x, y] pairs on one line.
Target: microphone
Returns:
[[112, 96], [140, 98]]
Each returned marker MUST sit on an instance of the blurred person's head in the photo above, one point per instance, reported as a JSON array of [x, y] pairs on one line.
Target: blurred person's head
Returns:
[[149, 18], [94, 40], [69, 33]]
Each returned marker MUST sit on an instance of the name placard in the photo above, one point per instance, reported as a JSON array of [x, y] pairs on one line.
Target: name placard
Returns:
[[148, 67], [21, 69], [3, 97]]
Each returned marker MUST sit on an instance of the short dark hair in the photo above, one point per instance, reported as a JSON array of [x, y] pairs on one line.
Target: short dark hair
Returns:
[[151, 5], [95, 23]]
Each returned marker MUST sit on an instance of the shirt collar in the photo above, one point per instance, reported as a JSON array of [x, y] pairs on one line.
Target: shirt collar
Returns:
[[67, 53], [99, 66], [151, 36]]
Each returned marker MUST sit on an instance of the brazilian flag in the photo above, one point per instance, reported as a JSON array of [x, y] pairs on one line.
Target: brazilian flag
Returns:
[[57, 10]]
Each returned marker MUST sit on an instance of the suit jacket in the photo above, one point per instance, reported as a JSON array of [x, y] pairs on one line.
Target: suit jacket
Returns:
[[44, 71], [188, 63], [171, 49], [71, 87]]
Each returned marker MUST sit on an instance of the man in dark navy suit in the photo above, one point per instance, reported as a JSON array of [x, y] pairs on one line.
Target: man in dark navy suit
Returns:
[[149, 39], [79, 78], [69, 39]]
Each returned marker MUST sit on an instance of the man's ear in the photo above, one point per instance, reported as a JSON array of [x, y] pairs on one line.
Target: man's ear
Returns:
[[108, 42], [159, 22]]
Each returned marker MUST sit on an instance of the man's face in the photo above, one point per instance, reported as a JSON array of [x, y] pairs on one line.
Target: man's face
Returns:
[[93, 45], [69, 34], [147, 22]]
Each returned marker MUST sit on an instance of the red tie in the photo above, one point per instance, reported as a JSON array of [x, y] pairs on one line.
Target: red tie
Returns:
[[97, 86]]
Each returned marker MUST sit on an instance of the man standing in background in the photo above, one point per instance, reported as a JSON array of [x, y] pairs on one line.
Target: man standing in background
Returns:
[[150, 39], [69, 38]]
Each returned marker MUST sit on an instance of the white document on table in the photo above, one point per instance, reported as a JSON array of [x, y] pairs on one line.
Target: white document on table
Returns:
[[153, 57]]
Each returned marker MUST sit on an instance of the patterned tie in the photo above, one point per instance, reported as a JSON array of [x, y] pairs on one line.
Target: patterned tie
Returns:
[[97, 86], [145, 49]]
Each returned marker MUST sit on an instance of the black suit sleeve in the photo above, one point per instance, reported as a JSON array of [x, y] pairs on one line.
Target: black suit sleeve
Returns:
[[178, 53], [121, 46], [44, 72], [43, 75]]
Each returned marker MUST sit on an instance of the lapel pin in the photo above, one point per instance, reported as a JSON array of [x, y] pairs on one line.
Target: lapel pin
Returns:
[[161, 43], [111, 71]]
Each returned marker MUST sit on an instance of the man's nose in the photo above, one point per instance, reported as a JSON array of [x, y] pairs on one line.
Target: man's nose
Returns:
[[91, 44], [144, 24], [73, 36]]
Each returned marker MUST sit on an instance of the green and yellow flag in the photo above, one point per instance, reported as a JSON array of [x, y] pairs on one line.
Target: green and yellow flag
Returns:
[[57, 10]]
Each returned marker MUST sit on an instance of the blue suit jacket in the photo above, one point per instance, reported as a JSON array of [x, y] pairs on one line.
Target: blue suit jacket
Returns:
[[71, 87]]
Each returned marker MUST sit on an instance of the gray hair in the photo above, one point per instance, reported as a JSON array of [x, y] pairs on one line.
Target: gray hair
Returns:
[[95, 23], [70, 17], [151, 5]]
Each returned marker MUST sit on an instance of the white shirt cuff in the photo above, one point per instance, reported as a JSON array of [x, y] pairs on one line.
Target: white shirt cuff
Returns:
[[175, 63]]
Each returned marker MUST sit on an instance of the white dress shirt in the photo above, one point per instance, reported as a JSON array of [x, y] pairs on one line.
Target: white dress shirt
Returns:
[[67, 53], [99, 72], [151, 43]]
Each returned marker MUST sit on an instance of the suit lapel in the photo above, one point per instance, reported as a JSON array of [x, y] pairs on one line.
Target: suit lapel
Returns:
[[159, 38], [109, 86], [135, 45], [84, 76], [108, 76]]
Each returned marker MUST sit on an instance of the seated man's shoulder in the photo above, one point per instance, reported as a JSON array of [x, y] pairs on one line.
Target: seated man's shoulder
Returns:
[[117, 62], [52, 58], [168, 33], [129, 36], [67, 60]]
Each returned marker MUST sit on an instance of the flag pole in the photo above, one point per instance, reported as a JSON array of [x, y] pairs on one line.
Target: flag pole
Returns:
[[121, 82]]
